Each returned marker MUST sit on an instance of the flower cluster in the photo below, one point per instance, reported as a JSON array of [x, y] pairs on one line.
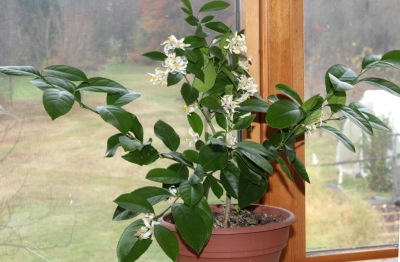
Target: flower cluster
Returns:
[[147, 230], [173, 63]]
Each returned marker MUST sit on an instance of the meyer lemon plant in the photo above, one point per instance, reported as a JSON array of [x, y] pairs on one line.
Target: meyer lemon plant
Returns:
[[220, 94]]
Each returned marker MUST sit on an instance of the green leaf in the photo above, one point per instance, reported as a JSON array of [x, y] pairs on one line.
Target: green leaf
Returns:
[[251, 175], [230, 179], [61, 84], [338, 85], [188, 5], [135, 203], [376, 122], [112, 145], [214, 6], [165, 176], [370, 61], [167, 241], [284, 167], [290, 153], [121, 213], [153, 194], [250, 192], [57, 102], [273, 98], [196, 123], [207, 19], [117, 117], [19, 70], [196, 70], [41, 84], [258, 160], [252, 147], [218, 27], [391, 58], [186, 11], [284, 113], [190, 55], [354, 116], [103, 85], [130, 248], [192, 20], [244, 122], [209, 79], [147, 155], [203, 209], [190, 225], [215, 186], [67, 72], [340, 136], [137, 128], [191, 155], [191, 190], [129, 144], [213, 104], [253, 105], [167, 134], [174, 78], [199, 172], [181, 169], [213, 157], [313, 117], [383, 84], [221, 120], [312, 103], [290, 92], [189, 94], [300, 169], [122, 99], [156, 56], [195, 41], [179, 158]]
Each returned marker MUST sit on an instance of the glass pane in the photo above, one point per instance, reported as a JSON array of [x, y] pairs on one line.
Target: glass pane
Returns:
[[353, 198], [56, 187]]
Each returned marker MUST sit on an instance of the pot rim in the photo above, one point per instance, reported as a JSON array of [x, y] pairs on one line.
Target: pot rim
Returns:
[[289, 219]]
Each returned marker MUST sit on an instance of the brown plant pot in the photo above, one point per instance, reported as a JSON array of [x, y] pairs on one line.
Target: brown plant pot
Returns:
[[251, 244]]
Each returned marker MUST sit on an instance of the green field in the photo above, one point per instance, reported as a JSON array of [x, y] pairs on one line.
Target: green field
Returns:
[[57, 188]]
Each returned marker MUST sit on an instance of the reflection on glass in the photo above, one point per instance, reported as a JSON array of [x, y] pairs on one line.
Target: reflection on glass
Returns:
[[353, 200], [56, 189]]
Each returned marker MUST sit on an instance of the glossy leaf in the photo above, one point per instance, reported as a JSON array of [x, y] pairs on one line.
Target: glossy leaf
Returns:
[[188, 5], [213, 157], [196, 70], [253, 176], [258, 160], [129, 247], [273, 98], [312, 103], [338, 85], [179, 158], [135, 203], [156, 56], [41, 84], [250, 192], [383, 84], [67, 72], [189, 94], [181, 169], [112, 145], [230, 179], [122, 99], [174, 78], [195, 41], [216, 51], [129, 144], [290, 153], [253, 105], [313, 117], [340, 136], [369, 61], [284, 167], [137, 128], [192, 20], [207, 19], [165, 176], [284, 113], [103, 85], [221, 120], [153, 194], [290, 92], [19, 70], [213, 104], [209, 79], [214, 6], [354, 116], [195, 122], [190, 225], [215, 186], [218, 27], [300, 169], [147, 155], [57, 102], [376, 122], [117, 117], [191, 155], [252, 147], [391, 58], [167, 241], [121, 213], [167, 134], [191, 190], [244, 123], [60, 83], [203, 209]]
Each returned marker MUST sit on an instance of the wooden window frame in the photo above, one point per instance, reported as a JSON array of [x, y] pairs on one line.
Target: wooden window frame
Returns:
[[275, 39]]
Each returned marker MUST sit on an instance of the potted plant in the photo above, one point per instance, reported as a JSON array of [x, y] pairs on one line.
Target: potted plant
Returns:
[[220, 94]]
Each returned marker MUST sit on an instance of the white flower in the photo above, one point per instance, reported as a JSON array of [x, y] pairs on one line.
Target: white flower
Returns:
[[173, 192], [237, 44], [245, 63], [231, 139], [192, 137], [175, 63], [148, 229], [172, 42], [159, 78], [247, 84], [229, 105], [243, 97], [310, 128], [190, 108]]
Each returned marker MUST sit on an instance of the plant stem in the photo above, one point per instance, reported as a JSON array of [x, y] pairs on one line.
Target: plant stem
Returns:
[[227, 211]]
